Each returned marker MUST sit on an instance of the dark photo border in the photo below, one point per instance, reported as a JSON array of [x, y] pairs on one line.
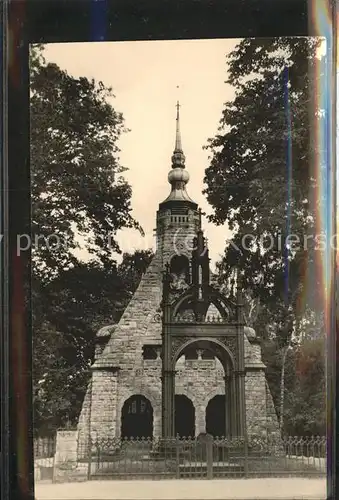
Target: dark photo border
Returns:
[[44, 21]]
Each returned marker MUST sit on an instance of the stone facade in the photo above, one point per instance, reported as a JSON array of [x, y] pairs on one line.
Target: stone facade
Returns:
[[121, 369]]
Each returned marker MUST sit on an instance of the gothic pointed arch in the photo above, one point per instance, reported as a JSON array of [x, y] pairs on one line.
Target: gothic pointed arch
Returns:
[[216, 346]]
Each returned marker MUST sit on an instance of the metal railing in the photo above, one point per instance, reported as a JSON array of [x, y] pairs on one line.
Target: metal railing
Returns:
[[205, 457]]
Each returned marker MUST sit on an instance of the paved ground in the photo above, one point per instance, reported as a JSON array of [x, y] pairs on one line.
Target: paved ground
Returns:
[[223, 489]]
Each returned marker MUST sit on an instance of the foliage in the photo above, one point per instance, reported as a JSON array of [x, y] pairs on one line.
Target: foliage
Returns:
[[70, 310], [305, 409], [77, 183], [304, 388], [79, 195], [261, 184], [249, 183]]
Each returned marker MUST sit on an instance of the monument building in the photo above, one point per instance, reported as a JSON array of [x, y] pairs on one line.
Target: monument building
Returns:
[[180, 361]]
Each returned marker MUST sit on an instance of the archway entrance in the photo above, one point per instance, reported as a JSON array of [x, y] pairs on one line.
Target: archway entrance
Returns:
[[221, 419], [216, 416], [137, 418], [184, 416], [186, 326]]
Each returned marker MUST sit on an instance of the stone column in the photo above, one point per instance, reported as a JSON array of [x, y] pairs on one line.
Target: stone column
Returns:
[[168, 403], [234, 405], [228, 406], [242, 403], [157, 420], [200, 420]]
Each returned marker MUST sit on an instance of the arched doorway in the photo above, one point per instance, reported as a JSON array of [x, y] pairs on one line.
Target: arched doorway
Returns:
[[137, 418], [216, 416], [184, 416], [234, 412]]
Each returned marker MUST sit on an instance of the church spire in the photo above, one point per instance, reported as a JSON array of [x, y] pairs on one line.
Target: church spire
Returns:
[[178, 146], [178, 177], [178, 157]]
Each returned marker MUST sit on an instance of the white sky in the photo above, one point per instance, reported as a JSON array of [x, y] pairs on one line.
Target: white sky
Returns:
[[144, 77]]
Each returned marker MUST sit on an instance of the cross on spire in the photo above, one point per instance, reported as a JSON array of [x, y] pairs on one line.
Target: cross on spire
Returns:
[[178, 145]]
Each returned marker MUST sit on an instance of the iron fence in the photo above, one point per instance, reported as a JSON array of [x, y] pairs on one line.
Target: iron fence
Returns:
[[204, 457]]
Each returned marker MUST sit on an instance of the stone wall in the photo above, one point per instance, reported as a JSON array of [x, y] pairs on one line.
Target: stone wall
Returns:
[[99, 411], [84, 424], [139, 324], [104, 403], [272, 419], [199, 380], [255, 389]]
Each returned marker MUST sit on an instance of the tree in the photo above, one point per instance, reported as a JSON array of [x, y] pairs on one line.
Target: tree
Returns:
[[79, 198], [261, 183], [71, 309], [251, 183], [305, 408], [78, 190]]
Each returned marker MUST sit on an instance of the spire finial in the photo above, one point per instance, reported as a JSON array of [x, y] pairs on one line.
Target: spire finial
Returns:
[[178, 177], [178, 157], [178, 146]]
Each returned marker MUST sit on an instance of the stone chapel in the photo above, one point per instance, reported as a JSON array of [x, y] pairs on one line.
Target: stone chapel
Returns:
[[124, 395]]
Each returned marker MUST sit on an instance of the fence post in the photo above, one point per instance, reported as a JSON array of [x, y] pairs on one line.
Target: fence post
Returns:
[[246, 455], [209, 456], [177, 457]]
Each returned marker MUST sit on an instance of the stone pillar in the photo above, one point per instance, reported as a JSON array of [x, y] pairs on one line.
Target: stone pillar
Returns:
[[168, 403], [256, 417], [234, 406], [228, 406], [200, 420], [242, 403], [157, 420], [104, 404], [65, 459]]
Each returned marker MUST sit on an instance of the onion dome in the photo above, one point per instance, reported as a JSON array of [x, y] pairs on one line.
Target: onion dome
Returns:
[[178, 175]]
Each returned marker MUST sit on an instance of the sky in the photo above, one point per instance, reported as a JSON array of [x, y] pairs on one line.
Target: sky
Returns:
[[144, 76]]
